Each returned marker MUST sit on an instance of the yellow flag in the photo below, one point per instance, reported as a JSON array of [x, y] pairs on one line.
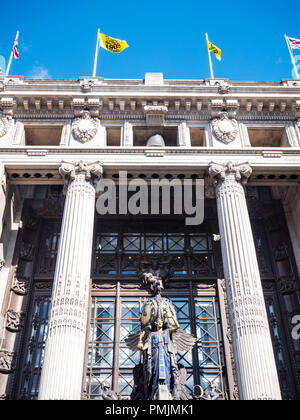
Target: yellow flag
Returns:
[[112, 44], [213, 48]]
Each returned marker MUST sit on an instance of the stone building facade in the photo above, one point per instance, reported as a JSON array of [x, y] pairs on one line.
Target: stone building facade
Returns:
[[69, 292]]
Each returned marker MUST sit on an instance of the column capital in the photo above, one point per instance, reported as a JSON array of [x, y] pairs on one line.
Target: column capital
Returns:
[[218, 172], [90, 170]]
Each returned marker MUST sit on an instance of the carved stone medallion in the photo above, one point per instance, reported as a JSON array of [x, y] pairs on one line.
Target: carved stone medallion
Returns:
[[85, 127], [224, 128]]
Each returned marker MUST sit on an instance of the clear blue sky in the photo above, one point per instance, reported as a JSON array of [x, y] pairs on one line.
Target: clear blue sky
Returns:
[[58, 38]]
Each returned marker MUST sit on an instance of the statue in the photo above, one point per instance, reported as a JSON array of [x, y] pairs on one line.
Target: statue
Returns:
[[212, 394], [159, 377], [107, 393]]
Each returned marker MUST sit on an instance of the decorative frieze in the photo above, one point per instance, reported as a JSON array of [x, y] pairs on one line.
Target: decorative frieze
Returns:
[[276, 154]]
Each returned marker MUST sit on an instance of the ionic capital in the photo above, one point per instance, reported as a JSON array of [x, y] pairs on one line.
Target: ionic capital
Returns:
[[88, 170], [218, 172]]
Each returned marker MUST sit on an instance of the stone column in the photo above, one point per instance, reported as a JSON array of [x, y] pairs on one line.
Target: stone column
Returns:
[[64, 362], [252, 344], [3, 197]]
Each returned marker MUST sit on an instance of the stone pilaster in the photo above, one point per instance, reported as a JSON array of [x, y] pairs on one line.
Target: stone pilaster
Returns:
[[65, 345], [253, 351], [184, 136], [127, 135]]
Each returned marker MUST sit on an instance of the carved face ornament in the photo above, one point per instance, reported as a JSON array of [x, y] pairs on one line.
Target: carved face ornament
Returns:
[[225, 129], [85, 128]]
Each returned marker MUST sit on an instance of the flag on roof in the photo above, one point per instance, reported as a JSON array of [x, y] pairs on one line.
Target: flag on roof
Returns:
[[15, 48], [214, 49], [294, 43], [112, 44]]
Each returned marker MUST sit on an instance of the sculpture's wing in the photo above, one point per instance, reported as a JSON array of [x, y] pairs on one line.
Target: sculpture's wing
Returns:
[[133, 339], [183, 341]]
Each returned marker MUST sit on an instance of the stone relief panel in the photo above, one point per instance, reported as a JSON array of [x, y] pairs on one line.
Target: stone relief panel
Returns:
[[20, 286], [6, 361], [14, 320]]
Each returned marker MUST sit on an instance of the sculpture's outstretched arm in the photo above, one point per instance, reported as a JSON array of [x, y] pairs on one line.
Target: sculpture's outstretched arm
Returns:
[[174, 325], [141, 346]]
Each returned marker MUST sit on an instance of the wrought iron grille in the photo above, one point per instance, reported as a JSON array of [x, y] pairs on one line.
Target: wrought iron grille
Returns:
[[118, 253], [49, 242], [110, 360], [30, 381]]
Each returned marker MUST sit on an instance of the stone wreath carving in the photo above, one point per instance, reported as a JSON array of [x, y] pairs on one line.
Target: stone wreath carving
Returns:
[[4, 126], [224, 128], [85, 127]]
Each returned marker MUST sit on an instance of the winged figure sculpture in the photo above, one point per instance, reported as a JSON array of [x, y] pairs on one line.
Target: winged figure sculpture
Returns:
[[160, 338]]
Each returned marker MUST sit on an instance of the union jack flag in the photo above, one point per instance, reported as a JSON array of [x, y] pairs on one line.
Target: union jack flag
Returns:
[[15, 47], [294, 43]]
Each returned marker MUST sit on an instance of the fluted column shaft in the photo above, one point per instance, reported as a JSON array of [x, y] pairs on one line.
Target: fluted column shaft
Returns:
[[65, 345], [253, 351]]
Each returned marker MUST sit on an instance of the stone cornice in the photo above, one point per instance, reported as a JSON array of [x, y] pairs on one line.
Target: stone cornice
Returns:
[[116, 98], [17, 81]]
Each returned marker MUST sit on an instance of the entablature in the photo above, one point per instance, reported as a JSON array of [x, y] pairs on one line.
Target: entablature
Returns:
[[126, 99], [40, 166]]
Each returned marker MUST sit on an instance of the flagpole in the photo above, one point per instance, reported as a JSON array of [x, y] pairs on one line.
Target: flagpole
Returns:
[[11, 56], [209, 57], [292, 56], [96, 53]]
